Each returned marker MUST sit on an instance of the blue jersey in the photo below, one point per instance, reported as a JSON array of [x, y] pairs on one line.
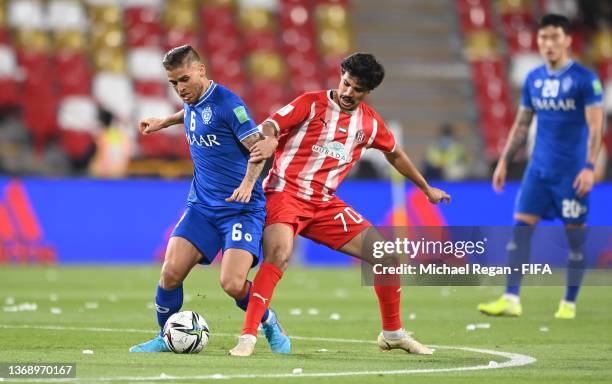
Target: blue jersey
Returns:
[[559, 99], [214, 127]]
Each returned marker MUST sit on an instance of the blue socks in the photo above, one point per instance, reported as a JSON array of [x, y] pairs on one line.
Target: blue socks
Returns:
[[518, 253], [167, 303], [244, 302], [576, 262]]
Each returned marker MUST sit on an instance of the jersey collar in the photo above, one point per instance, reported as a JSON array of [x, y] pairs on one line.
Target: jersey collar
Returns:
[[560, 71], [330, 97], [206, 94]]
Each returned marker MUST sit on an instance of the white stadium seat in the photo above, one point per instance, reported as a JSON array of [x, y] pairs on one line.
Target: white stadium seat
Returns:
[[156, 107], [146, 64], [114, 92], [67, 14], [26, 14], [521, 65], [78, 113]]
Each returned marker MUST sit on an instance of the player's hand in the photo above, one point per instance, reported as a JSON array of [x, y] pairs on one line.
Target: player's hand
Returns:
[[152, 124], [263, 149], [584, 182], [499, 176], [242, 194], [435, 195]]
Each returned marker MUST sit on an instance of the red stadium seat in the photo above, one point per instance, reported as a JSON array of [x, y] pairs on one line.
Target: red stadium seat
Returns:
[[9, 96], [160, 145], [150, 88], [216, 17], [142, 27], [260, 40], [475, 15], [523, 40], [39, 117], [514, 22], [176, 37], [605, 71], [73, 74]]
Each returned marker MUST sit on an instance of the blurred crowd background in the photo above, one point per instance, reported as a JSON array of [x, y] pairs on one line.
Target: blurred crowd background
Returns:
[[76, 76]]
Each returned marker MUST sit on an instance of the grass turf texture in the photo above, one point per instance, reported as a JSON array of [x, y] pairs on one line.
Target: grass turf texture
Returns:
[[570, 351]]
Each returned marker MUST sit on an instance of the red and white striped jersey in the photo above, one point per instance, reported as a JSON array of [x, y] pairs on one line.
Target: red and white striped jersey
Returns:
[[319, 144]]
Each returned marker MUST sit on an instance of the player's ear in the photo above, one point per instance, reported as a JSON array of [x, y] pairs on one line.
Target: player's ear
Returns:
[[568, 41], [202, 70]]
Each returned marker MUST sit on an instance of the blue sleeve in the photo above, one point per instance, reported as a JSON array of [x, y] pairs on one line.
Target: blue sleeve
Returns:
[[240, 120], [525, 95], [592, 91]]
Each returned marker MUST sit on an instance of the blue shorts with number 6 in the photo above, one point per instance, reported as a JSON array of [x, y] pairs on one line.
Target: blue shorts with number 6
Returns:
[[211, 229], [551, 196]]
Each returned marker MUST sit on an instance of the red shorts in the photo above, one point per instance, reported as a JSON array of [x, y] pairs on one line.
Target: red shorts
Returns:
[[332, 223]]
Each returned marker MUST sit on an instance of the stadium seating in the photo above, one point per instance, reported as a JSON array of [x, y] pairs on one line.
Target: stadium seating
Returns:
[[109, 52], [501, 46]]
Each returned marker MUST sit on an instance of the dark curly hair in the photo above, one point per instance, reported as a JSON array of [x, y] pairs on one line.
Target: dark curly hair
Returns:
[[363, 66]]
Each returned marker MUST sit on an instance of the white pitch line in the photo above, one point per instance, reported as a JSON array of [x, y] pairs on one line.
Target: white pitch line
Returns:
[[134, 330], [515, 360]]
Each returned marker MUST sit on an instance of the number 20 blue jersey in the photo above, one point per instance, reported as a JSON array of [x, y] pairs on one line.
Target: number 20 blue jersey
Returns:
[[559, 100], [214, 127]]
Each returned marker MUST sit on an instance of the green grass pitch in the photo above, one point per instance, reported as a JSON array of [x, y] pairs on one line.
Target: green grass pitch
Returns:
[[108, 309]]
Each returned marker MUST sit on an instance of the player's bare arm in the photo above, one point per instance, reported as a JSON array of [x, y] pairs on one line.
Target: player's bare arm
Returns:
[[264, 149], [400, 161], [242, 194], [152, 124], [516, 140], [586, 177]]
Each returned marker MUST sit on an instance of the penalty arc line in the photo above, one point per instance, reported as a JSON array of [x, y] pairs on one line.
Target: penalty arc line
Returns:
[[515, 360]]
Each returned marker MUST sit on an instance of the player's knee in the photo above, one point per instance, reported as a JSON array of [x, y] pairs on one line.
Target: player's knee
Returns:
[[278, 256], [170, 277], [233, 286]]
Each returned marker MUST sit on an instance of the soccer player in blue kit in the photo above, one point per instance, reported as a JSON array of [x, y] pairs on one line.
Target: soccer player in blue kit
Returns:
[[567, 99], [226, 205]]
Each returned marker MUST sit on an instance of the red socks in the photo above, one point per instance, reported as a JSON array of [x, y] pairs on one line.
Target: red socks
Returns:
[[261, 293], [388, 291]]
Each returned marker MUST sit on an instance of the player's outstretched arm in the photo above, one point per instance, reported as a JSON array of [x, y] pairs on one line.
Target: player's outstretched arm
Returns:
[[265, 148], [586, 177], [516, 139], [242, 194], [400, 161], [152, 124]]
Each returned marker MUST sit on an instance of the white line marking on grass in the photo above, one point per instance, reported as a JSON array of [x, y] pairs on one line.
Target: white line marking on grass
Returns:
[[515, 360]]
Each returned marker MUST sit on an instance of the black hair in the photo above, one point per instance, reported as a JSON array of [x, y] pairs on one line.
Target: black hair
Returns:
[[363, 66], [179, 56], [554, 20]]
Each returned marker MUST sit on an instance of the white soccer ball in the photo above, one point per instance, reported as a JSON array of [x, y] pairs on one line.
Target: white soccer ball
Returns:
[[186, 332]]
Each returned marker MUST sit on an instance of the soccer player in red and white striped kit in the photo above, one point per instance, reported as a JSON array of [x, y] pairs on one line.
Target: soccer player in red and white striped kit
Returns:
[[316, 140]]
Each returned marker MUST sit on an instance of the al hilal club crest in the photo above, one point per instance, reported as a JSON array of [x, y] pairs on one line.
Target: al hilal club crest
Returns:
[[360, 136], [207, 114]]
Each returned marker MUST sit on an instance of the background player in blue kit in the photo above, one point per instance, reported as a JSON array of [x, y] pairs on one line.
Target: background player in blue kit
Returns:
[[567, 99], [223, 211]]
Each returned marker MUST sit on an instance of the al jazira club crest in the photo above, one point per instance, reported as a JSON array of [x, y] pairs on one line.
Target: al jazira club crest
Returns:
[[207, 114], [360, 136]]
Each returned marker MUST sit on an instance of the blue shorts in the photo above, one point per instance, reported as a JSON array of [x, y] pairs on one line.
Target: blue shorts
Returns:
[[551, 196], [212, 229]]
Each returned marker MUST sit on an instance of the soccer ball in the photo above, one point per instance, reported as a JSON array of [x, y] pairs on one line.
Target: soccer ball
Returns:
[[186, 332]]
